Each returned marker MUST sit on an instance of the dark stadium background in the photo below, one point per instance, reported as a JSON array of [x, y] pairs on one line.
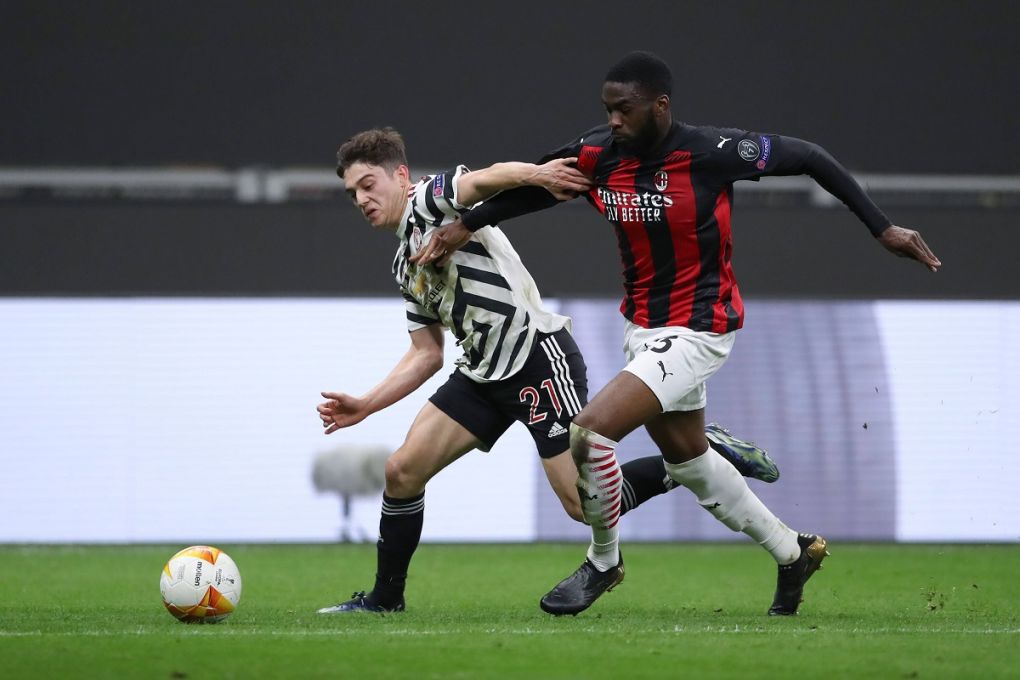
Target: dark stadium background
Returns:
[[905, 87]]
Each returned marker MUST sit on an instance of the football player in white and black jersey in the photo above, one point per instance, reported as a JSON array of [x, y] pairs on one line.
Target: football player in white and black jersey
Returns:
[[520, 362]]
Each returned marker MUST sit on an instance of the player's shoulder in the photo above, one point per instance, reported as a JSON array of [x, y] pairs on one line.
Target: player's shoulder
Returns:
[[594, 137], [711, 137], [599, 135], [438, 179]]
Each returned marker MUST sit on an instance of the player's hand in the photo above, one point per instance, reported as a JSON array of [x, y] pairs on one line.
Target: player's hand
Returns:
[[444, 242], [341, 410], [561, 178], [908, 243]]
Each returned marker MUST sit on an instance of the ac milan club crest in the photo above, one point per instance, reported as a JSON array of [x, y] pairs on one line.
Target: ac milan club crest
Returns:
[[661, 180]]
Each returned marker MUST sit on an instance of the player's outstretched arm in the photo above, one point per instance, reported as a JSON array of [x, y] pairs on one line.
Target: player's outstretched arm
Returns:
[[559, 177], [908, 243], [528, 188], [422, 360], [801, 157]]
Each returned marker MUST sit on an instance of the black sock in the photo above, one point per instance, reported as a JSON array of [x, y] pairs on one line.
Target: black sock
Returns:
[[399, 533], [643, 478]]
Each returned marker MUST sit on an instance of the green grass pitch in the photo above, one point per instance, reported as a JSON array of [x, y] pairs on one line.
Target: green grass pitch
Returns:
[[692, 611]]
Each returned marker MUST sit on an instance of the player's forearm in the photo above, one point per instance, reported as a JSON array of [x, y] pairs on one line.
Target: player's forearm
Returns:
[[508, 205], [810, 159], [474, 187], [409, 374]]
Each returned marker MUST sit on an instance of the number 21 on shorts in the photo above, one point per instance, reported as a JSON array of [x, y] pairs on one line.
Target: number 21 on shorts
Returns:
[[530, 395]]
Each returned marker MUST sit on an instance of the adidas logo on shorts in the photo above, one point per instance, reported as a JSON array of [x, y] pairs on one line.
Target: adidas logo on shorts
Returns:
[[556, 430]]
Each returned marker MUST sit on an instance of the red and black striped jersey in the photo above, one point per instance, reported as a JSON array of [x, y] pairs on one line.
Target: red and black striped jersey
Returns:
[[671, 210]]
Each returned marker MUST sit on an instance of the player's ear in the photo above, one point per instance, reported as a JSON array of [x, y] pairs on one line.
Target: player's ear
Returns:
[[402, 173], [662, 104]]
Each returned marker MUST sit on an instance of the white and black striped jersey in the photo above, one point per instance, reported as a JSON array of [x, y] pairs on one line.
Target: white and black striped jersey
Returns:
[[484, 295]]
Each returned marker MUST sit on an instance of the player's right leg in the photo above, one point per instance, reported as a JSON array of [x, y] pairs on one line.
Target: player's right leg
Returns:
[[622, 406], [434, 441]]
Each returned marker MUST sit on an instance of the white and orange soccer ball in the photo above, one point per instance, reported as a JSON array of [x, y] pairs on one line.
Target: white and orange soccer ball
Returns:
[[200, 584]]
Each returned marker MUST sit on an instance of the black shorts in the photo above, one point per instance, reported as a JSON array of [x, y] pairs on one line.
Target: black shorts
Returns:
[[545, 395]]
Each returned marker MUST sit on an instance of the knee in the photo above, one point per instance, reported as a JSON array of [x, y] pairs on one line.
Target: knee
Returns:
[[583, 439], [402, 479], [586, 420]]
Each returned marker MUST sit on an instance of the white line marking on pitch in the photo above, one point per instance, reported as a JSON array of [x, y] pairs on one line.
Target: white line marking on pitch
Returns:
[[513, 631]]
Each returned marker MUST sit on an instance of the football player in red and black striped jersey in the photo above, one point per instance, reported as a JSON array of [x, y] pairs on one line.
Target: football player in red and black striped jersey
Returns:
[[667, 189]]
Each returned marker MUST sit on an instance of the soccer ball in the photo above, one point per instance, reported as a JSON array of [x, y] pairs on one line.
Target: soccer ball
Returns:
[[200, 584]]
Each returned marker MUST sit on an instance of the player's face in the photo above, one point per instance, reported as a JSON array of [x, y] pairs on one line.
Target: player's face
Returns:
[[635, 119], [379, 194]]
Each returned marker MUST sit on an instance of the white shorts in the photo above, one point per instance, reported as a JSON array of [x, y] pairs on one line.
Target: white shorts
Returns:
[[675, 362]]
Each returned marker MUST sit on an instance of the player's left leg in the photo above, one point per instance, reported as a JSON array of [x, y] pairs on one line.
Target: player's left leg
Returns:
[[645, 478], [721, 491], [434, 441]]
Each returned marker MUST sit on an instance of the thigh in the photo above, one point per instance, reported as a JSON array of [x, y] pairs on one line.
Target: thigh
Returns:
[[434, 441], [675, 363], [621, 407], [680, 435], [470, 404]]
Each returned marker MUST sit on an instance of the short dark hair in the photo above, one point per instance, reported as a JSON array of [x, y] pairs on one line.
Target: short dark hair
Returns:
[[645, 69], [378, 146]]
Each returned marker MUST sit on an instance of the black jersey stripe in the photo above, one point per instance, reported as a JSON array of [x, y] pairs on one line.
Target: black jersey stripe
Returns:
[[449, 189], [732, 318], [474, 274], [475, 248], [423, 320], [477, 352], [521, 338], [463, 300], [498, 350], [409, 224], [432, 207]]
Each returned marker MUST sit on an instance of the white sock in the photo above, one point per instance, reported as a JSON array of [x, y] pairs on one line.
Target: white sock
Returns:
[[598, 483], [724, 493]]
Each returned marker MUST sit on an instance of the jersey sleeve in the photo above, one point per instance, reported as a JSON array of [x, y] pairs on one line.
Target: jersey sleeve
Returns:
[[418, 317], [740, 154], [435, 199], [751, 155]]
